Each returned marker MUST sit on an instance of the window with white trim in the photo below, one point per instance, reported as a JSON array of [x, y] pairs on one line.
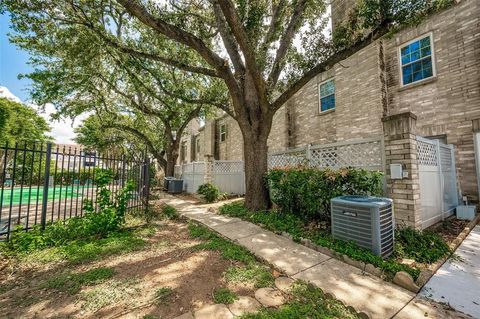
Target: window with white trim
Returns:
[[223, 133], [416, 60], [327, 95]]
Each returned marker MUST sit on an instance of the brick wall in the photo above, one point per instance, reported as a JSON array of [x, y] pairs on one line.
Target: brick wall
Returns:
[[447, 104]]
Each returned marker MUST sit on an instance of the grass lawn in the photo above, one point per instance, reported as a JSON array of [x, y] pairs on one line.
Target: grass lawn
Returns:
[[158, 270], [31, 195]]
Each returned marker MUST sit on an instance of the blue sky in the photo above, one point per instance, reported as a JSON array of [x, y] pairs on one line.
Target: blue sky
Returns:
[[13, 61]]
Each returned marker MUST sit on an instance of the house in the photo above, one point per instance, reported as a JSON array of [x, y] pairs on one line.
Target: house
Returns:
[[423, 81]]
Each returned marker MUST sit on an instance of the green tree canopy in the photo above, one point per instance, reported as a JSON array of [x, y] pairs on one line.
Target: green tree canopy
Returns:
[[21, 123]]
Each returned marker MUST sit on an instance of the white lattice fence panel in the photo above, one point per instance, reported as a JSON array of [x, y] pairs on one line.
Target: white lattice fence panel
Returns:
[[287, 159], [228, 166], [426, 152], [365, 155]]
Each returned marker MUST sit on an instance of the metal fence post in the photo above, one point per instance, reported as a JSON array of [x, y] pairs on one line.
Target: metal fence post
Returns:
[[146, 176], [46, 185]]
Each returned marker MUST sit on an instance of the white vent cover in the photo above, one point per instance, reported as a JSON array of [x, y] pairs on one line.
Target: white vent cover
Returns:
[[368, 221]]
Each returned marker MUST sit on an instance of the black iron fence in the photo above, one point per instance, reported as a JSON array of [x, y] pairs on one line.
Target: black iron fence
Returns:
[[42, 183]]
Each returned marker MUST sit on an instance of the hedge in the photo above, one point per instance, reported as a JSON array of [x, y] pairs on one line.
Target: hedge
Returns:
[[307, 191]]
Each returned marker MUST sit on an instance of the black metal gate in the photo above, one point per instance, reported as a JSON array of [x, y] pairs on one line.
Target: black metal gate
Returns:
[[42, 183]]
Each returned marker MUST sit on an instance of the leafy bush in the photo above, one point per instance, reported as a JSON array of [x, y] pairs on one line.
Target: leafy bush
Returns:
[[422, 246], [108, 219], [209, 192], [307, 191]]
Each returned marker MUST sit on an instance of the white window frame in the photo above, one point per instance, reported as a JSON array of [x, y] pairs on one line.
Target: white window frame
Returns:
[[399, 58], [320, 96], [223, 133]]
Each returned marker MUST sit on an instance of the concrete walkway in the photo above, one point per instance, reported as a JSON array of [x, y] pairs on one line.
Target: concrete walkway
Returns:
[[457, 282], [366, 293]]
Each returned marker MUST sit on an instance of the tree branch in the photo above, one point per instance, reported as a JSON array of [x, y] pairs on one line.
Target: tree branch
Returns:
[[329, 63], [238, 31], [286, 42]]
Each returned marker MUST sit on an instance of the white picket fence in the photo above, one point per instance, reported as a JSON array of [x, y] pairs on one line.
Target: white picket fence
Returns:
[[228, 176]]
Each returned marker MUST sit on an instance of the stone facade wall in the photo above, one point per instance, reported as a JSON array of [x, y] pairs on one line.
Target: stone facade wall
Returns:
[[447, 104], [232, 148]]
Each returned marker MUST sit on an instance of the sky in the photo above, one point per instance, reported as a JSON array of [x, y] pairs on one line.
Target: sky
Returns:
[[13, 61]]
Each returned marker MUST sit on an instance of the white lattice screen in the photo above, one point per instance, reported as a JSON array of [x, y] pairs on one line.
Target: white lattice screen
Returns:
[[367, 153], [228, 166], [427, 152]]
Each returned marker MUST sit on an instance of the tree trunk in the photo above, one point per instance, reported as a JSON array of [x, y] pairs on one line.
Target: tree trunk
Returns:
[[172, 155], [257, 196]]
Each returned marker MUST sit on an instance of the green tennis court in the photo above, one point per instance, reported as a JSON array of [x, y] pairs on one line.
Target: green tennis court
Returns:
[[31, 195]]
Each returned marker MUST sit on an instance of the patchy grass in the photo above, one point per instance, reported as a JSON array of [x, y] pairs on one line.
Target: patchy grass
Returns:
[[213, 241], [298, 228], [83, 251], [257, 275], [224, 296], [162, 294], [72, 283], [307, 302], [111, 292]]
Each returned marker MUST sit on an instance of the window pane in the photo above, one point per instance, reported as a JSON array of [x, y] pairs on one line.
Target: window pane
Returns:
[[425, 42], [327, 103], [417, 76], [417, 66], [415, 56], [407, 74], [415, 46], [427, 63], [327, 88], [405, 59], [427, 73], [405, 50], [426, 52]]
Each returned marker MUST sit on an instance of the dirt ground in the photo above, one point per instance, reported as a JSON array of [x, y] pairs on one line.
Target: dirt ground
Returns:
[[450, 228], [167, 261]]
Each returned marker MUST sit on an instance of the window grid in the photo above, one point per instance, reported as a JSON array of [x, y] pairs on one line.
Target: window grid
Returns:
[[416, 60], [223, 133], [327, 95]]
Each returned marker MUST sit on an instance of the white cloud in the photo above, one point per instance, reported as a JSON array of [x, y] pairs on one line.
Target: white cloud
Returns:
[[62, 130], [5, 92]]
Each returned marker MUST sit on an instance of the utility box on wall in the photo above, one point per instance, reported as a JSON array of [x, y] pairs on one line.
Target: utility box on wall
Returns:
[[396, 171], [466, 212]]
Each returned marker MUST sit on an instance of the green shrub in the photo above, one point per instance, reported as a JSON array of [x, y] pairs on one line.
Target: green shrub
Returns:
[[209, 192], [170, 212], [422, 246], [108, 219], [307, 191]]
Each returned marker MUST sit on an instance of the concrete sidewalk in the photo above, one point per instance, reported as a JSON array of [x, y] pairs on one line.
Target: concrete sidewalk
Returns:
[[457, 282], [366, 293]]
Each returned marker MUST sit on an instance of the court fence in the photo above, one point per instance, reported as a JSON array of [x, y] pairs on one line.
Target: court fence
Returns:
[[41, 182]]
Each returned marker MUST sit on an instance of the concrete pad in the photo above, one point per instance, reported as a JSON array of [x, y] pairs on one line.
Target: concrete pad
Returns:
[[238, 230], [421, 308], [244, 305], [457, 282], [281, 252], [213, 312], [364, 292]]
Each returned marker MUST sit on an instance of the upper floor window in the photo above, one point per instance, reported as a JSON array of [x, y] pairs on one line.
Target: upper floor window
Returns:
[[223, 133], [416, 60], [327, 95]]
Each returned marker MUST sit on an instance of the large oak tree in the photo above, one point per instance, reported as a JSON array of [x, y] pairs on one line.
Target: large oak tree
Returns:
[[246, 44]]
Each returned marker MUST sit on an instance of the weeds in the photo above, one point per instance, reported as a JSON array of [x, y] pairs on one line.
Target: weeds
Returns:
[[72, 283], [224, 296], [170, 212], [255, 274], [162, 294]]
